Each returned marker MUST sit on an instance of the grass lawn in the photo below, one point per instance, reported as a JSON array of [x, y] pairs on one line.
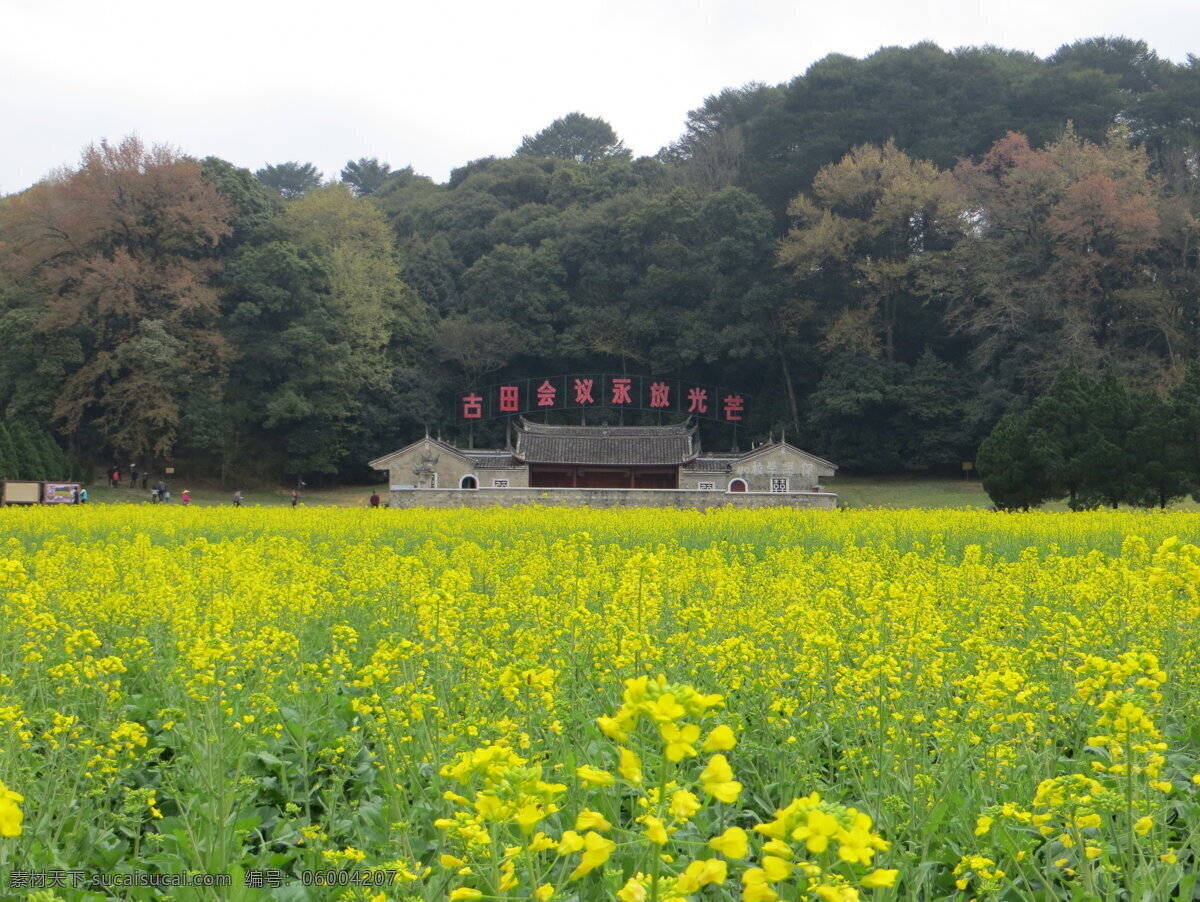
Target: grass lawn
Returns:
[[901, 491], [347, 496]]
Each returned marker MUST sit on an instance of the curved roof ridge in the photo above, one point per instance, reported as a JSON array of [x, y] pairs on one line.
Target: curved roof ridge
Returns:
[[687, 427]]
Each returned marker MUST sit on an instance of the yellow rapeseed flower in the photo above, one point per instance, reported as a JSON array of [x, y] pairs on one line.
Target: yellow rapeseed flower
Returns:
[[719, 739], [880, 878], [592, 820], [733, 843], [717, 780], [597, 850], [594, 775], [630, 767], [680, 741], [10, 811], [656, 830]]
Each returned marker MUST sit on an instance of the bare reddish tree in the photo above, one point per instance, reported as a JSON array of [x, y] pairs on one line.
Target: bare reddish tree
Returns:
[[1057, 256], [124, 251]]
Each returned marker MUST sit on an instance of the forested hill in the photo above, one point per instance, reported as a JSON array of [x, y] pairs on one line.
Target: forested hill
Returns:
[[888, 253]]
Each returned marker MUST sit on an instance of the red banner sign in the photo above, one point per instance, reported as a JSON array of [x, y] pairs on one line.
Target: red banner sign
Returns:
[[574, 392]]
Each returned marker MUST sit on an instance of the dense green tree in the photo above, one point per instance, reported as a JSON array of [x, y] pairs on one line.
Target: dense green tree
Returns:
[[932, 416], [9, 466], [35, 363], [575, 136], [522, 288], [476, 347], [712, 150], [1060, 427], [463, 217], [1137, 68], [1092, 440], [1014, 471], [514, 182], [290, 179], [314, 311], [936, 105], [1157, 447], [1183, 405], [31, 464], [139, 410], [853, 413], [432, 270], [57, 466], [253, 202], [1112, 464]]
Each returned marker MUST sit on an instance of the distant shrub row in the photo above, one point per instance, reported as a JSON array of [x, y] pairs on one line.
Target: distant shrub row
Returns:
[[29, 452]]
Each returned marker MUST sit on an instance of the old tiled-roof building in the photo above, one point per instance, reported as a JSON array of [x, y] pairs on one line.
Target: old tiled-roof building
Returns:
[[604, 466]]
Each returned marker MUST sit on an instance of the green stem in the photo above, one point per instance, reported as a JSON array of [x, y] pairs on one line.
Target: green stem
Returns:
[[1130, 861], [656, 864]]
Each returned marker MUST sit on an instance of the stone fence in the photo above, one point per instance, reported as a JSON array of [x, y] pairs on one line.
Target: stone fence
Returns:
[[679, 498]]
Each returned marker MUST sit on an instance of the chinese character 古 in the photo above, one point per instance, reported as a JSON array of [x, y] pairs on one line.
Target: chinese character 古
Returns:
[[472, 407]]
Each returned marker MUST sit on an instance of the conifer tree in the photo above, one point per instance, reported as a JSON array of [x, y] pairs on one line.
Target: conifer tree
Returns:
[[1013, 468], [1161, 471], [1059, 423], [29, 458], [52, 456], [1184, 406], [1109, 462], [8, 456]]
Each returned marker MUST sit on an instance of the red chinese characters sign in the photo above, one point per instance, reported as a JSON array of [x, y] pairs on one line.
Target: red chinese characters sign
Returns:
[[510, 399], [574, 392]]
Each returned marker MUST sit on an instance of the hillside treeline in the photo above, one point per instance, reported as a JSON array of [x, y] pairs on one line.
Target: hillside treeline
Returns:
[[889, 254]]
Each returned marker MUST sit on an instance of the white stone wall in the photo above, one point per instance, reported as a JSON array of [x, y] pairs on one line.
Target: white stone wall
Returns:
[[518, 477], [607, 498], [763, 471], [691, 480]]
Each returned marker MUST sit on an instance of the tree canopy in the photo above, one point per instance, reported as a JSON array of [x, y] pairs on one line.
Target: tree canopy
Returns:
[[365, 175], [290, 179], [577, 137]]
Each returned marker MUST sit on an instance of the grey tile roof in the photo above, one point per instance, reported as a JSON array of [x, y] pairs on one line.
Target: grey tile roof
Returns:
[[492, 460], [712, 464], [606, 445]]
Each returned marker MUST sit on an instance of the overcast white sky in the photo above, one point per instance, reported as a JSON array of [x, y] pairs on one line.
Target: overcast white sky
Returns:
[[435, 84]]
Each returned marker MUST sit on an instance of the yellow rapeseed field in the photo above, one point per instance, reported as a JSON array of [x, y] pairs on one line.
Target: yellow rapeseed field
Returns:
[[565, 704]]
